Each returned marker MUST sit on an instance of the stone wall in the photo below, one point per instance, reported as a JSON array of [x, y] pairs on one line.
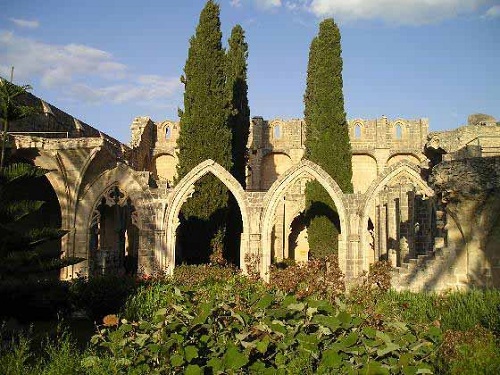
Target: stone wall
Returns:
[[470, 194], [435, 241]]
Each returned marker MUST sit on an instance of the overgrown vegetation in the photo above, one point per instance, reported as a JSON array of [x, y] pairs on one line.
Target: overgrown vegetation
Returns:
[[211, 319], [327, 141]]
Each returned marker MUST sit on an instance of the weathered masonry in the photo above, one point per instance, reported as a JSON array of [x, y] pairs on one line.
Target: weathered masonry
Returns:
[[121, 207]]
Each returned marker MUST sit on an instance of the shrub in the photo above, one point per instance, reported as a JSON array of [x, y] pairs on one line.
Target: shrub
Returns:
[[273, 334], [473, 351], [318, 277], [202, 274], [101, 295], [29, 300], [55, 357]]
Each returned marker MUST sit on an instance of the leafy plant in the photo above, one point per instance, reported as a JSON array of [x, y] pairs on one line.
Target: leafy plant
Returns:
[[257, 333], [101, 295]]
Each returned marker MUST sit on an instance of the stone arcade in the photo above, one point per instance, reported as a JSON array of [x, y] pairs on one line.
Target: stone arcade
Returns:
[[121, 208]]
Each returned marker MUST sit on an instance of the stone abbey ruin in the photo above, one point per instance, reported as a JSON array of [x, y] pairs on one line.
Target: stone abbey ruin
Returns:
[[428, 202]]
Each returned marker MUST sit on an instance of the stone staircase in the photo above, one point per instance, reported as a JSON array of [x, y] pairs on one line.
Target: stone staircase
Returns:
[[432, 271]]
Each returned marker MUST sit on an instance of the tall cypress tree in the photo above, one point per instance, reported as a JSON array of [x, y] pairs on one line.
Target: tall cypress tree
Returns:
[[204, 134], [327, 142], [239, 121]]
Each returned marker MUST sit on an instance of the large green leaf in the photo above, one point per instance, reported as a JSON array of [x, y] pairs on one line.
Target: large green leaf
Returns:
[[234, 359]]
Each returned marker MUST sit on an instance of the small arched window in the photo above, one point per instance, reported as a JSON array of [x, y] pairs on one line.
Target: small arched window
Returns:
[[277, 132], [399, 131], [168, 133], [357, 131]]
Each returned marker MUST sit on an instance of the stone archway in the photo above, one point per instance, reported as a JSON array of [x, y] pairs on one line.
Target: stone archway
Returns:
[[114, 234], [181, 193], [407, 175], [131, 184], [278, 189]]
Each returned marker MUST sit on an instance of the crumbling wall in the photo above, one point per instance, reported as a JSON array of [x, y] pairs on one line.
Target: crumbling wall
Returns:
[[470, 192]]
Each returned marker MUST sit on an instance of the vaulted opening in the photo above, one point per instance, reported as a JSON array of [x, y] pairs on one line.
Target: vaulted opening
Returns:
[[295, 219], [114, 234], [211, 235]]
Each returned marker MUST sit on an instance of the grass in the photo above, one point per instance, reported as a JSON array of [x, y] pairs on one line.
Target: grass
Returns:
[[469, 320], [454, 310]]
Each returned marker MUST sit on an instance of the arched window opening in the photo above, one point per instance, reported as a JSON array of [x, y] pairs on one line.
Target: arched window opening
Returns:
[[291, 233], [298, 245], [168, 133], [214, 237], [277, 132], [114, 235], [357, 131], [399, 131]]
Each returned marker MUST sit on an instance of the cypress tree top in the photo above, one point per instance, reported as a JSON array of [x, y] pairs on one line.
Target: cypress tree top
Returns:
[[239, 121], [204, 130], [204, 122], [327, 142]]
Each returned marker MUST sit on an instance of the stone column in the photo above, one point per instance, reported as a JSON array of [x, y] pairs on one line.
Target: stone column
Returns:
[[392, 233], [376, 232], [383, 230]]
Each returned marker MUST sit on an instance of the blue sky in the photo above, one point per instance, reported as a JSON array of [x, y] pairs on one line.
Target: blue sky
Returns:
[[106, 62]]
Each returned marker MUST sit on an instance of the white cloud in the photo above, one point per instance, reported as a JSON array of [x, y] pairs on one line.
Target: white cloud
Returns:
[[29, 24], [393, 11], [235, 3], [493, 12], [268, 4], [72, 68], [143, 88]]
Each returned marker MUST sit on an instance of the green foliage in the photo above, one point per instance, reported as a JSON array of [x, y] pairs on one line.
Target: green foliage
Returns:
[[101, 295], [21, 256], [56, 357], [239, 121], [265, 333], [327, 142], [473, 351], [11, 111], [456, 311], [209, 319], [204, 133]]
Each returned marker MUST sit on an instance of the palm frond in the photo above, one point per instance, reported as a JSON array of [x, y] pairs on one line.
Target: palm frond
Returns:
[[18, 171], [14, 211]]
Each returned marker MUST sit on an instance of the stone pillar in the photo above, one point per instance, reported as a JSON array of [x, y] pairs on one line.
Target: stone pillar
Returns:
[[383, 230], [410, 194], [392, 232], [376, 231], [150, 261]]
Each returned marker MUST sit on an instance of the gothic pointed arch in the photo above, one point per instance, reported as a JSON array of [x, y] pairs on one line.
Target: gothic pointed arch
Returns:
[[403, 173], [309, 169], [132, 191], [179, 196]]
